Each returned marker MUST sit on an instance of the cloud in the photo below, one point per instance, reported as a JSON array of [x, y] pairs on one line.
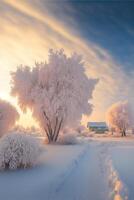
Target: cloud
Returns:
[[29, 29]]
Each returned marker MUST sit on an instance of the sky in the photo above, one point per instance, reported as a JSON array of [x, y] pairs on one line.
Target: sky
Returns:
[[102, 31]]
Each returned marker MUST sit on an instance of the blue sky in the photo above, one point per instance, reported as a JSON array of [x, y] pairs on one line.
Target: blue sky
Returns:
[[109, 24], [102, 31]]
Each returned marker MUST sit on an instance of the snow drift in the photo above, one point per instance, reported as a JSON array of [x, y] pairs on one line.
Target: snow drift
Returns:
[[68, 139]]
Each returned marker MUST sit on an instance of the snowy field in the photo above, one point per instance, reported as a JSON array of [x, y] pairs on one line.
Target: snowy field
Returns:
[[97, 169]]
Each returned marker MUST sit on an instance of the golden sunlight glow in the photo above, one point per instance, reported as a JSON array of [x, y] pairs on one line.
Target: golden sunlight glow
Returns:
[[26, 120], [118, 197]]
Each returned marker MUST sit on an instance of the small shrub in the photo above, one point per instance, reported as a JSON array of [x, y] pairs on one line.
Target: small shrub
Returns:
[[68, 139], [18, 150]]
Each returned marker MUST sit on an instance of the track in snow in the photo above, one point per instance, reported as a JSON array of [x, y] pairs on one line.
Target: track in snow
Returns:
[[85, 181]]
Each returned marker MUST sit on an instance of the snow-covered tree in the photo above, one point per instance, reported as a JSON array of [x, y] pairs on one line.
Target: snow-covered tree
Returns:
[[119, 117], [8, 117], [57, 91]]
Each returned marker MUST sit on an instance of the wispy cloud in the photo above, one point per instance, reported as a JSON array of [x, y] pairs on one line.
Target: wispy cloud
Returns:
[[29, 29]]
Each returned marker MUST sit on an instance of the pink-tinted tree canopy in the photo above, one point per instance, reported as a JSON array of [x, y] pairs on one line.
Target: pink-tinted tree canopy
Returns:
[[119, 117], [57, 91]]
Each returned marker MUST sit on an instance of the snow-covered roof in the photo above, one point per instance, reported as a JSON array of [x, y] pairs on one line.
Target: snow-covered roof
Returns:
[[96, 124]]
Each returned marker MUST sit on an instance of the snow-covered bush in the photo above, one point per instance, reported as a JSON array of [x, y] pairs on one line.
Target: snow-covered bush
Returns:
[[68, 139], [8, 117], [80, 129], [19, 150]]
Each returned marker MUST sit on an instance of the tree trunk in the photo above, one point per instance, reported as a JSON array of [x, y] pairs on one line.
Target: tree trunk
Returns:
[[123, 133], [52, 133], [57, 133]]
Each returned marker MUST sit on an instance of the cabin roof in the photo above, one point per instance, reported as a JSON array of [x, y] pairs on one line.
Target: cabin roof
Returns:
[[96, 124]]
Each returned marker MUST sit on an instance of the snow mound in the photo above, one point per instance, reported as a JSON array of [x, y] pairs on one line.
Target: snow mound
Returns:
[[68, 139], [18, 150]]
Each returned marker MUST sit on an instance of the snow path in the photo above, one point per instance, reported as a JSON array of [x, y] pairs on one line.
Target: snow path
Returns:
[[85, 181]]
